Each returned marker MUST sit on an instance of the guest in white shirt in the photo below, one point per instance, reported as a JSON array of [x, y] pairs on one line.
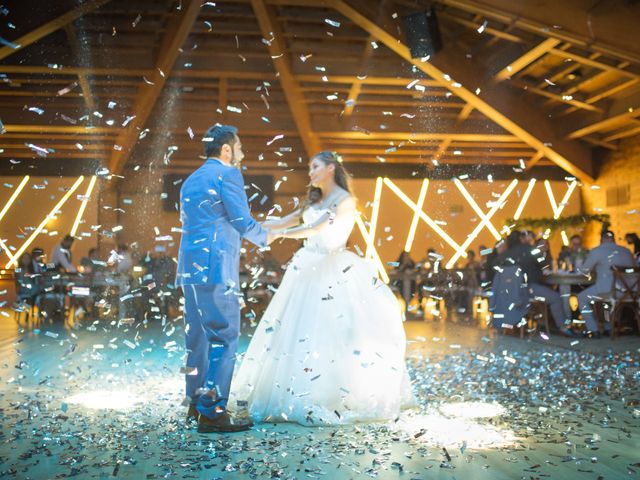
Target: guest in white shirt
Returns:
[[61, 255], [600, 260]]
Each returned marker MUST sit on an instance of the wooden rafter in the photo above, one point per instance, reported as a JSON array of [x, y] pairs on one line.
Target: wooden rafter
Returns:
[[50, 27], [568, 99], [174, 37], [356, 86], [272, 32], [498, 117], [533, 161], [606, 124], [464, 113], [529, 25], [521, 62], [82, 79]]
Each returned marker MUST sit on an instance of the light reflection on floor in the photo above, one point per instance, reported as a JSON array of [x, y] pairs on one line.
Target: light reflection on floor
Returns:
[[459, 425]]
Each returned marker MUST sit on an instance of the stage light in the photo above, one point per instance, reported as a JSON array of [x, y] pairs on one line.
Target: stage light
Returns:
[[499, 204], [476, 208], [373, 253], [416, 217], [524, 199], [373, 224], [25, 245], [83, 205], [565, 239], [423, 216], [105, 400]]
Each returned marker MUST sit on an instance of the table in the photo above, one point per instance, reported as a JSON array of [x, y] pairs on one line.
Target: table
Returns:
[[564, 281]]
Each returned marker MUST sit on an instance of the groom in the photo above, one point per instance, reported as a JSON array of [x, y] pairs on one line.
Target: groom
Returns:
[[215, 216]]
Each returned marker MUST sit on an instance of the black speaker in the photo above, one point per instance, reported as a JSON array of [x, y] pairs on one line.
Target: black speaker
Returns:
[[423, 34]]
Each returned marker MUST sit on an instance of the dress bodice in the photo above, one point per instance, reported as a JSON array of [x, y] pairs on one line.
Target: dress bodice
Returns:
[[333, 235]]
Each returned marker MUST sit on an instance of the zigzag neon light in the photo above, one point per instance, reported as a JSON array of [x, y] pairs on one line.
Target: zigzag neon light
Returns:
[[477, 209], [35, 233], [445, 236], [83, 205], [499, 204], [371, 249], [558, 208], [7, 206], [416, 217], [373, 224]]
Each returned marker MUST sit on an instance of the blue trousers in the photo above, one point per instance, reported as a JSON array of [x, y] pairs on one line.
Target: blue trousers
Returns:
[[212, 316]]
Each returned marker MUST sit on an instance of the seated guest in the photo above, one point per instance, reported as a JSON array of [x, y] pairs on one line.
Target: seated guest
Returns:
[[600, 260], [37, 261], [573, 257], [406, 283], [25, 283], [92, 263], [121, 259], [542, 244], [528, 237], [526, 257], [472, 263], [61, 255], [632, 239]]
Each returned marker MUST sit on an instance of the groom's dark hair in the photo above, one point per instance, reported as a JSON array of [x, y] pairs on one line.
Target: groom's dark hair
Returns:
[[216, 137]]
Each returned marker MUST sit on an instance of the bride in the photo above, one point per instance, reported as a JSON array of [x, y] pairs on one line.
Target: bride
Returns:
[[330, 347]]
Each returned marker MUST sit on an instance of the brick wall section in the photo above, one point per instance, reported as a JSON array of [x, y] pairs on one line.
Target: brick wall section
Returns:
[[620, 167]]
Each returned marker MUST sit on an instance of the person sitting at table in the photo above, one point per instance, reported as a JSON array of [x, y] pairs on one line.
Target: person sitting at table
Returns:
[[572, 258], [543, 245], [632, 239], [38, 265], [61, 255], [26, 284], [526, 257], [406, 281], [92, 263], [600, 260]]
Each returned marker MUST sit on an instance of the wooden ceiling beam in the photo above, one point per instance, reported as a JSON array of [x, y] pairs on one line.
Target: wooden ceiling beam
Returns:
[[69, 129], [464, 113], [524, 60], [606, 124], [629, 132], [50, 27], [534, 160], [175, 36], [82, 79], [413, 136], [568, 99], [605, 92], [579, 165], [591, 63], [272, 32], [526, 24]]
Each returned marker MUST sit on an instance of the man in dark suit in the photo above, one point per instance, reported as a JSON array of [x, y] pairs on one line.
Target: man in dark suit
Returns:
[[215, 217]]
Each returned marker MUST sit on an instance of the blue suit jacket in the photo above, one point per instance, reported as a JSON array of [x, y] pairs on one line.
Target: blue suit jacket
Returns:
[[215, 216]]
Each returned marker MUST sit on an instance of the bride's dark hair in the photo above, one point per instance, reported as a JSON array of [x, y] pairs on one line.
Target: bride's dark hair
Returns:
[[342, 177]]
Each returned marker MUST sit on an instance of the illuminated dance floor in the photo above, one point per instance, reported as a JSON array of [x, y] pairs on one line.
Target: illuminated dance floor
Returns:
[[102, 400]]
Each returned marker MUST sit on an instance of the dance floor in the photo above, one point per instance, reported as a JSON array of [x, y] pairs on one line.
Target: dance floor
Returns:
[[98, 400]]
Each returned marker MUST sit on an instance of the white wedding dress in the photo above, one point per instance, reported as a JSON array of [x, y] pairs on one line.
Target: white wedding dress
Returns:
[[330, 347]]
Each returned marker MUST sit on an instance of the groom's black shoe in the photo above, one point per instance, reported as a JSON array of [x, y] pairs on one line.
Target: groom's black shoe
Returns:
[[192, 414], [223, 423]]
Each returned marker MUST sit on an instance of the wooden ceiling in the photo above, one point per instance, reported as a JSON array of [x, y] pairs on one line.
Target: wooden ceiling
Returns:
[[130, 83]]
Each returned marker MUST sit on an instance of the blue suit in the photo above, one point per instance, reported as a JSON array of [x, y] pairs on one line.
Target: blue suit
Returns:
[[215, 217]]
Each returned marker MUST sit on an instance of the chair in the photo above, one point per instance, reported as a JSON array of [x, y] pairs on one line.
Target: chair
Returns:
[[539, 313], [625, 292]]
